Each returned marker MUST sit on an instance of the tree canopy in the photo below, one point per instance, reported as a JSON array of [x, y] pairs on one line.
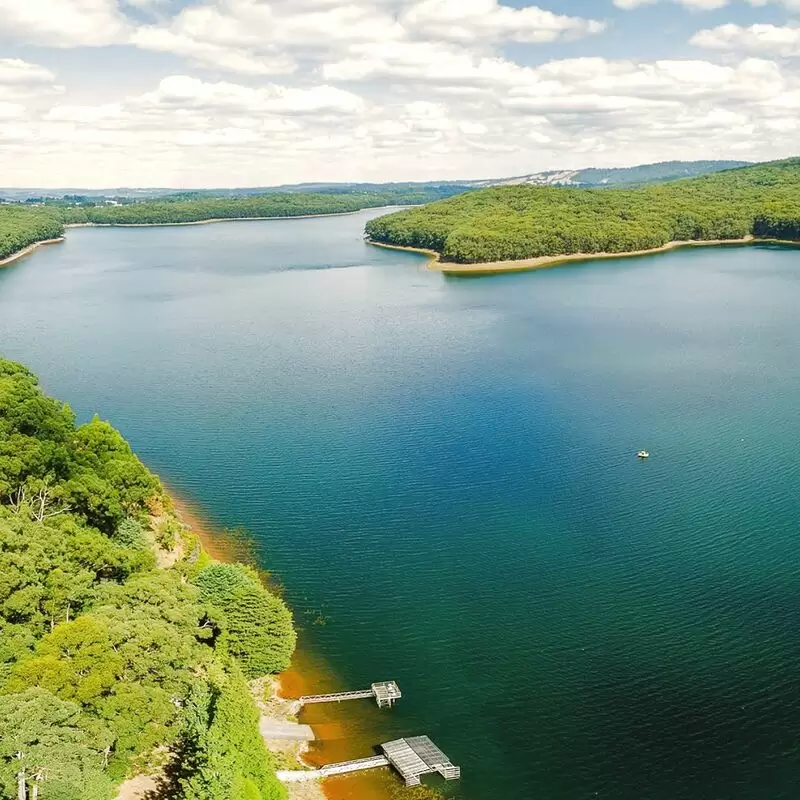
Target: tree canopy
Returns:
[[257, 625], [104, 660], [24, 224], [46, 736], [519, 222], [21, 226]]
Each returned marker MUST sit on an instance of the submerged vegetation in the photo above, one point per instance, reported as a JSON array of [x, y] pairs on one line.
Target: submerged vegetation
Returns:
[[520, 222], [109, 665]]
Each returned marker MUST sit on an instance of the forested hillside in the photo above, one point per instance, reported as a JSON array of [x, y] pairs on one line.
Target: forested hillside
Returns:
[[652, 173], [21, 226], [109, 665], [519, 222]]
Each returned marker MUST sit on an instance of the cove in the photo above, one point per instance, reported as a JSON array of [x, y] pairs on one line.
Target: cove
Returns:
[[441, 473]]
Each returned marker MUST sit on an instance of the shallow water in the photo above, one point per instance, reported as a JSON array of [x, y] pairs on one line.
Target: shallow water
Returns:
[[441, 472]]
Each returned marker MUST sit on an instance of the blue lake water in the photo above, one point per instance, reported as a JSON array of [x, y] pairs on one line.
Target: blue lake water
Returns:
[[444, 470]]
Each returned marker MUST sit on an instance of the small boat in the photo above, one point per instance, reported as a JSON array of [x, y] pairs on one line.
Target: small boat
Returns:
[[642, 454]]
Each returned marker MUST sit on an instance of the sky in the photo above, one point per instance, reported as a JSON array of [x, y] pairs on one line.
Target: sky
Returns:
[[225, 93]]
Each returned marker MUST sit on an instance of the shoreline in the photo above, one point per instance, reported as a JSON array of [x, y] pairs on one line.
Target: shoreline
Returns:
[[214, 220], [26, 251], [305, 676], [435, 264]]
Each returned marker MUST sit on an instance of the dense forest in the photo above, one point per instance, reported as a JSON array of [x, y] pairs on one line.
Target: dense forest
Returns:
[[21, 226], [122, 644], [196, 208], [24, 224], [519, 222]]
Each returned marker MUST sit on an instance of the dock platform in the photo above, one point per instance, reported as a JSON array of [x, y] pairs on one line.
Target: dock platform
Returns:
[[412, 758], [385, 693], [418, 756]]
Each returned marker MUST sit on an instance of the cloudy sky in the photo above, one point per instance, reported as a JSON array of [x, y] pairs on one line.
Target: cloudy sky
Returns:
[[101, 93]]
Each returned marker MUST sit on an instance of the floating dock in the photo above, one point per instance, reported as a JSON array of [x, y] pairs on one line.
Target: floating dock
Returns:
[[412, 758], [418, 756], [385, 694]]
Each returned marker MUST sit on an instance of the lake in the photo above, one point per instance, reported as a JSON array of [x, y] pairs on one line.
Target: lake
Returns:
[[442, 475]]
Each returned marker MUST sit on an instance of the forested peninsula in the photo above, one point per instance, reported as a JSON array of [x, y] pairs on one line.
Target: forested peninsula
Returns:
[[21, 227], [123, 646], [517, 223]]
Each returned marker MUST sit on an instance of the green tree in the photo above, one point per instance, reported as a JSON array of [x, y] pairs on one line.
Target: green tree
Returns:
[[53, 745], [223, 754], [257, 625], [100, 653], [520, 222], [126, 667]]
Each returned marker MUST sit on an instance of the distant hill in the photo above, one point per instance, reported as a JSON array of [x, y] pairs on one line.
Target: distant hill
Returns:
[[525, 221], [624, 176], [621, 176]]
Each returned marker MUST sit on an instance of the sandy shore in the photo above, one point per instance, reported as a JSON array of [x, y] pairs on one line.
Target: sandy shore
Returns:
[[224, 219], [28, 250], [543, 262]]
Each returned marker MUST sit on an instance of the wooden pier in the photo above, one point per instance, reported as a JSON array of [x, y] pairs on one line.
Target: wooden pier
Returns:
[[412, 758], [345, 767], [385, 694]]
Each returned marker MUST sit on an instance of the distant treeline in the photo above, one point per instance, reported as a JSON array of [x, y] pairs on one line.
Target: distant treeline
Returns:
[[109, 665], [22, 224], [198, 208], [652, 173], [519, 222]]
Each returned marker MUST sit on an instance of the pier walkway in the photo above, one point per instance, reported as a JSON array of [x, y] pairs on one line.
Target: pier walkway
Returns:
[[385, 694], [412, 758], [358, 765]]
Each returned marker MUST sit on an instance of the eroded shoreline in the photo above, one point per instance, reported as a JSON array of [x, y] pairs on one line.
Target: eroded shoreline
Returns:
[[435, 264]]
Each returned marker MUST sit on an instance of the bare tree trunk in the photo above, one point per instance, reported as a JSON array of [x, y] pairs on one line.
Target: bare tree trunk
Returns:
[[46, 505], [18, 499], [42, 498], [22, 793]]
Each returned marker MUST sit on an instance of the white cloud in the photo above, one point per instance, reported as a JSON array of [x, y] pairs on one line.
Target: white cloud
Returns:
[[487, 20], [63, 23], [772, 39], [259, 38], [563, 113], [273, 91], [222, 56], [442, 65], [16, 72], [183, 93], [699, 5], [23, 84], [707, 5], [11, 110]]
